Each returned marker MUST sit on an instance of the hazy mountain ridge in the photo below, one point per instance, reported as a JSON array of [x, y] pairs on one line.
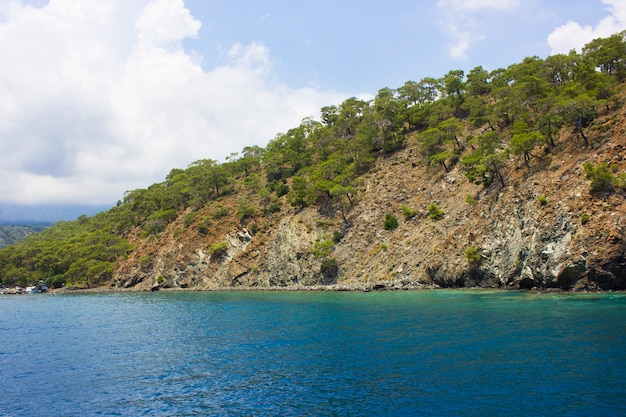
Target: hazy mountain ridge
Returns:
[[12, 214]]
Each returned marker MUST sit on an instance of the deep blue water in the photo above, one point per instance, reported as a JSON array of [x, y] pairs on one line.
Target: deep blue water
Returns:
[[431, 353]]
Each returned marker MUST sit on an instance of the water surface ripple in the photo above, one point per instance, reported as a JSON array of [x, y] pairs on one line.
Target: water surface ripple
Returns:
[[431, 353]]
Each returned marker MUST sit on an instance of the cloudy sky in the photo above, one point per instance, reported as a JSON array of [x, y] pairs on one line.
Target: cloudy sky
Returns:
[[103, 96]]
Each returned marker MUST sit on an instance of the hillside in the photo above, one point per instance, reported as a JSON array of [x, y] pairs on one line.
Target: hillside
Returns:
[[513, 178], [573, 241], [13, 233]]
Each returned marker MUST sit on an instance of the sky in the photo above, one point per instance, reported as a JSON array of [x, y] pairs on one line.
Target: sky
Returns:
[[100, 97]]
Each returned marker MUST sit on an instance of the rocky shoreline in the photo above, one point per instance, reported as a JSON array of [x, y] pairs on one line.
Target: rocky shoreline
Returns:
[[360, 287]]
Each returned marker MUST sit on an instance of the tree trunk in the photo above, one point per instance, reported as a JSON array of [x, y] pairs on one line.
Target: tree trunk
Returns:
[[550, 138], [579, 127], [499, 175]]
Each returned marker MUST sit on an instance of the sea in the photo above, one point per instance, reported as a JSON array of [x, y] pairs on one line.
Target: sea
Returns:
[[266, 353]]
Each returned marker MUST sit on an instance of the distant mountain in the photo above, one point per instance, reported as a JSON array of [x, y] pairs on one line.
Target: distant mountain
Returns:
[[13, 234], [15, 214]]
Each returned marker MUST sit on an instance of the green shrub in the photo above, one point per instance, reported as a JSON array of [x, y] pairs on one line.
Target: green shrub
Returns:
[[145, 261], [435, 212], [189, 218], [165, 215], [244, 209], [220, 212], [542, 200], [274, 207], [281, 189], [218, 249], [252, 182], [602, 179], [472, 255], [584, 218], [324, 224], [407, 212], [470, 200], [391, 222], [329, 267], [383, 247], [322, 248], [337, 236], [203, 225]]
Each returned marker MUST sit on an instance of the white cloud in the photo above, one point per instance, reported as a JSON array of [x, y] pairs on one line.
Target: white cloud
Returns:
[[165, 21], [460, 24], [476, 5], [573, 35], [99, 97]]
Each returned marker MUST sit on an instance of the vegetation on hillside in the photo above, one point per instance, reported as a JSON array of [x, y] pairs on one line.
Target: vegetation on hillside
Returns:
[[10, 234], [477, 120]]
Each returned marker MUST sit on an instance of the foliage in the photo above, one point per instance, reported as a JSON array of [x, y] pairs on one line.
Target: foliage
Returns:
[[407, 212], [584, 218], [337, 236], [602, 179], [203, 226], [273, 207], [145, 261], [189, 218], [391, 222], [542, 200], [66, 251], [472, 255], [329, 268], [220, 212], [471, 200], [218, 249], [322, 247], [434, 212], [484, 163], [244, 209], [13, 234], [524, 140]]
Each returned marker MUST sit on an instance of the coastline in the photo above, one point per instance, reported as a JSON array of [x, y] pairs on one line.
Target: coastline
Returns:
[[353, 287]]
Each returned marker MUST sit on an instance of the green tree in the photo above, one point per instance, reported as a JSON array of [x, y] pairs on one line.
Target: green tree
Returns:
[[478, 82], [578, 109], [608, 55], [524, 141], [454, 88], [433, 143], [301, 194], [388, 118], [484, 164]]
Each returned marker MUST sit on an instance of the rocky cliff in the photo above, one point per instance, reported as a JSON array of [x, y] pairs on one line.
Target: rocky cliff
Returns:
[[543, 229]]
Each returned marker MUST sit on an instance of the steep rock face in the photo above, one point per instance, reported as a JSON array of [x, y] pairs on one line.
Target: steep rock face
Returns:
[[542, 230], [289, 257]]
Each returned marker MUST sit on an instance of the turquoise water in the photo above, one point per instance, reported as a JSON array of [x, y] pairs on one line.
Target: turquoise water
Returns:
[[432, 353]]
